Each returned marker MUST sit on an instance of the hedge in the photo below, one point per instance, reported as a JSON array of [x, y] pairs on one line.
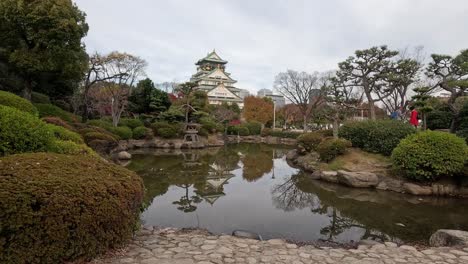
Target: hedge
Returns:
[[12, 100], [240, 130], [142, 132], [57, 121], [90, 136], [284, 134], [429, 155], [438, 119], [130, 122], [62, 133], [208, 124], [39, 98], [330, 148], [52, 110], [100, 123], [57, 208], [22, 132], [122, 131], [70, 147], [255, 128], [380, 136], [309, 141], [167, 132], [165, 129], [463, 134]]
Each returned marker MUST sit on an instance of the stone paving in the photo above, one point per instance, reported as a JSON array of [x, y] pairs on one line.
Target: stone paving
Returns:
[[164, 246]]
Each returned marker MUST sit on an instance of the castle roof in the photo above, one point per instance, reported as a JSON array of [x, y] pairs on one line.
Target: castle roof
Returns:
[[211, 57]]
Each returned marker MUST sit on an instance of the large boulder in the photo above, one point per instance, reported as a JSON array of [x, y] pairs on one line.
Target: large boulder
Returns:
[[309, 162], [358, 179], [391, 184], [329, 176], [124, 155], [449, 238], [417, 189]]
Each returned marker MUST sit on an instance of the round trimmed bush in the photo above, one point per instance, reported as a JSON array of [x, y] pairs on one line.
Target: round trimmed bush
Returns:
[[90, 136], [380, 136], [325, 132], [255, 128], [57, 121], [130, 122], [429, 155], [39, 98], [122, 131], [438, 119], [100, 123], [463, 134], [56, 208], [142, 132], [70, 147], [22, 132], [309, 141], [12, 100], [52, 110], [243, 131], [330, 148], [167, 132], [208, 124], [62, 133], [203, 132]]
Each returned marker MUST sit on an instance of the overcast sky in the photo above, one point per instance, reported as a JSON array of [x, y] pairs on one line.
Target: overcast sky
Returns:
[[262, 38]]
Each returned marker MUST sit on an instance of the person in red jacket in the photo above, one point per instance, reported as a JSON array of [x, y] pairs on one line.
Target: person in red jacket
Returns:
[[414, 117]]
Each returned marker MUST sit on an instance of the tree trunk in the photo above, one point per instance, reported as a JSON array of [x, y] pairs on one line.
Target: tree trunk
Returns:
[[27, 91], [85, 113], [336, 125], [305, 123], [370, 101], [453, 124]]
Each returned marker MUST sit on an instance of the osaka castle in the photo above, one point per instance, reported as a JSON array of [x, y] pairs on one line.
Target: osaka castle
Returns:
[[212, 78]]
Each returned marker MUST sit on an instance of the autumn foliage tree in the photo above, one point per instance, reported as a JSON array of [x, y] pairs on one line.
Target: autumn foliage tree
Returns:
[[258, 109]]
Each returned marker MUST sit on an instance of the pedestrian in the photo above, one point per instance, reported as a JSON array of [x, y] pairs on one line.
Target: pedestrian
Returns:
[[414, 117]]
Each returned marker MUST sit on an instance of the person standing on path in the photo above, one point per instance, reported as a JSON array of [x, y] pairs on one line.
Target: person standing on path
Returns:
[[414, 117]]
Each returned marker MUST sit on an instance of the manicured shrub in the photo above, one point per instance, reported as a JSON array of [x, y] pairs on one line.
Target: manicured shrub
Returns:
[[243, 131], [463, 134], [130, 122], [70, 147], [325, 132], [203, 132], [142, 132], [438, 119], [57, 208], [62, 133], [22, 132], [232, 130], [57, 121], [39, 98], [265, 132], [90, 136], [167, 132], [12, 100], [309, 141], [284, 134], [429, 155], [122, 131], [52, 110], [255, 128], [100, 123], [330, 148], [380, 136], [208, 124]]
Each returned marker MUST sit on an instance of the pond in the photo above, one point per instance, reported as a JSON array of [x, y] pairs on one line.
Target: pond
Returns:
[[252, 187]]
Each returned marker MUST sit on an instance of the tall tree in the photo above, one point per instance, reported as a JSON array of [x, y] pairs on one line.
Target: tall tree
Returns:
[[258, 109], [186, 93], [41, 40], [422, 104], [301, 89], [450, 75], [368, 70], [146, 98]]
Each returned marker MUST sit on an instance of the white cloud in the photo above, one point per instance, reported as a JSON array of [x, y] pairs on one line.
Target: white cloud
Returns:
[[262, 38]]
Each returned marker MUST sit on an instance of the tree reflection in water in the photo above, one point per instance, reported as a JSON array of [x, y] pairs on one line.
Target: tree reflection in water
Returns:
[[289, 196]]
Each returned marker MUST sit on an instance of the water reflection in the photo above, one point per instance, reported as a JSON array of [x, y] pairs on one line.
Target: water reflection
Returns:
[[252, 187]]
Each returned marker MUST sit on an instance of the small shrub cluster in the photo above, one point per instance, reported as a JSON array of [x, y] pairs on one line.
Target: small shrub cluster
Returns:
[[130, 122], [240, 130], [165, 129], [46, 110], [463, 134], [70, 148], [309, 141], [208, 124], [380, 136], [93, 135], [12, 100], [330, 148], [255, 128], [100, 123], [39, 98], [122, 131], [429, 155], [325, 132], [62, 133], [57, 121], [283, 134], [22, 132], [57, 208], [142, 132], [438, 119]]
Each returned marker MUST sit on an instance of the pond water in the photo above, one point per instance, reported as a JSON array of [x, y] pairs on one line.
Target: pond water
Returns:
[[252, 187]]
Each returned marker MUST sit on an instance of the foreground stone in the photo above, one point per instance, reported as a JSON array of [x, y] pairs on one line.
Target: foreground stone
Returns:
[[199, 247], [447, 237]]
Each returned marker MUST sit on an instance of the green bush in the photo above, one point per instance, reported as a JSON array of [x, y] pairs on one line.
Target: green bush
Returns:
[[90, 136], [330, 148], [380, 136], [142, 132], [208, 124], [52, 110], [12, 100], [57, 121], [167, 132], [325, 132], [265, 132], [70, 147], [62, 133], [438, 119], [122, 131], [463, 134], [429, 155], [22, 132], [232, 130], [284, 134], [309, 141], [130, 122], [255, 128], [243, 131], [39, 98], [203, 132], [100, 123], [57, 208]]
